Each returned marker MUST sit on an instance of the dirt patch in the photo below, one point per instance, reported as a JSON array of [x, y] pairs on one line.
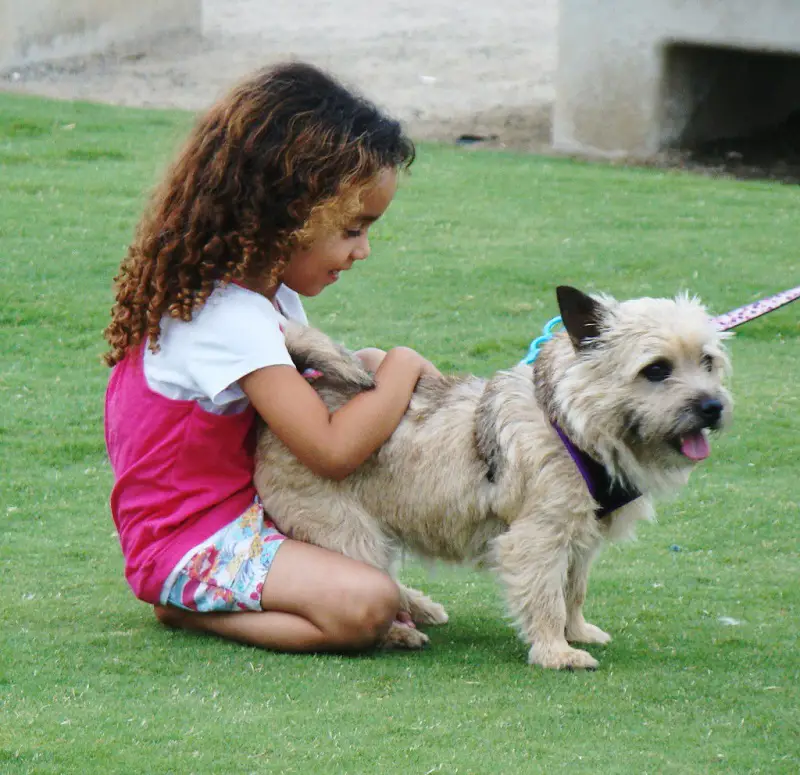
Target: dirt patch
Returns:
[[445, 69], [463, 71]]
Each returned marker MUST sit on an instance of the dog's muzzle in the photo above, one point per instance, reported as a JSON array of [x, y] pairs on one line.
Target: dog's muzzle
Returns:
[[708, 411]]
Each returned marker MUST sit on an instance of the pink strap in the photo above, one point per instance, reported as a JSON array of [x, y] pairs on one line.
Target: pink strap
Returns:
[[748, 312]]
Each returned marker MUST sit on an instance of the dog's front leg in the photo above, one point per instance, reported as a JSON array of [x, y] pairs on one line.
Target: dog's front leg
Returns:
[[578, 629], [533, 562], [422, 609]]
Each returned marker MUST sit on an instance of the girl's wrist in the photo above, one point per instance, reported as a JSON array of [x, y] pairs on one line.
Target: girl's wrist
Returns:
[[403, 359]]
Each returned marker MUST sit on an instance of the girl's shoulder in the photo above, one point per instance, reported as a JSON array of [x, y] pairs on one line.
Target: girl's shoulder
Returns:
[[230, 316], [235, 332], [232, 302]]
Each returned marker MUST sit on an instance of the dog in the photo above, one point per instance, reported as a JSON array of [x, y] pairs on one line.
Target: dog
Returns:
[[528, 472]]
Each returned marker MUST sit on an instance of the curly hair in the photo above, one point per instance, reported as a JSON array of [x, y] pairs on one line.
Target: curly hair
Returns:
[[283, 156]]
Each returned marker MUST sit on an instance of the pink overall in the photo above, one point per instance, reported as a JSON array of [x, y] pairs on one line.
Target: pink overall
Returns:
[[181, 474]]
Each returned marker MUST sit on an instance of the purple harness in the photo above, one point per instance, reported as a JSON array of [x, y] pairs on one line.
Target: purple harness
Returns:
[[611, 495]]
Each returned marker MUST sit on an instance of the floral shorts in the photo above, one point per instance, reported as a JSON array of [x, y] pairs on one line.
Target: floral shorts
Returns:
[[227, 572]]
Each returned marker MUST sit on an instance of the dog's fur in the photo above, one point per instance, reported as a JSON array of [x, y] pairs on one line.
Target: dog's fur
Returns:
[[476, 472]]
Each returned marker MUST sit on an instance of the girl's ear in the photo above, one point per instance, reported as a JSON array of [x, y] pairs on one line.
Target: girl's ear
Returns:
[[580, 313]]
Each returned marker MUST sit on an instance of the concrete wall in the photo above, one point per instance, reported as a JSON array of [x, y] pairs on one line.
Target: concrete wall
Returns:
[[36, 30], [635, 76]]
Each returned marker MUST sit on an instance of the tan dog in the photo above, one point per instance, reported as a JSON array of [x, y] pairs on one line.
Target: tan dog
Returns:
[[500, 470]]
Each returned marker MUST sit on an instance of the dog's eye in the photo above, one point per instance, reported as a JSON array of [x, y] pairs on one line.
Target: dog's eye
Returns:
[[708, 362], [657, 371]]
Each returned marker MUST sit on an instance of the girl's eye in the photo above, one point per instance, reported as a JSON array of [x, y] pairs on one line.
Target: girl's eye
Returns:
[[353, 233], [657, 371]]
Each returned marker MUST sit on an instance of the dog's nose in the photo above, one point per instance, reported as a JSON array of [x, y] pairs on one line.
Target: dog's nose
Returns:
[[710, 410]]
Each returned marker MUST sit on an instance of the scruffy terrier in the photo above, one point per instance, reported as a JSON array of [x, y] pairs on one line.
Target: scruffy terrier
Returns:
[[529, 471]]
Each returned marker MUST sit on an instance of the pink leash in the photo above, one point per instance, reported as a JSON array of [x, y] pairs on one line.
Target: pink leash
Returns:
[[755, 310]]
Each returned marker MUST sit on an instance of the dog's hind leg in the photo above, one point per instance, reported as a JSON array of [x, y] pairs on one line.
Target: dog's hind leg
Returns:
[[533, 562], [348, 529], [578, 630], [322, 516]]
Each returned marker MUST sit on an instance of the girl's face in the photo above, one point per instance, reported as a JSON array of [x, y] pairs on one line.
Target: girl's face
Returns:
[[311, 270]]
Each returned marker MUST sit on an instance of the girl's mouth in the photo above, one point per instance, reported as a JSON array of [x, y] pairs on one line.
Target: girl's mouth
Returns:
[[334, 275]]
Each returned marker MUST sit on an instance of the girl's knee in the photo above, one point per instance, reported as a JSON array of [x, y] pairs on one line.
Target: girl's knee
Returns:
[[368, 612]]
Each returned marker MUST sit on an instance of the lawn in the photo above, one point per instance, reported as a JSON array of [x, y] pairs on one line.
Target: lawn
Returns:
[[702, 675]]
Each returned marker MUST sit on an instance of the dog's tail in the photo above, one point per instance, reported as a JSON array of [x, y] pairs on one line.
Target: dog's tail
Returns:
[[311, 349]]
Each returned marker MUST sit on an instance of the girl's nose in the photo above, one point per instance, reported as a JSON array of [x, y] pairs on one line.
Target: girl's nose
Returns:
[[361, 250]]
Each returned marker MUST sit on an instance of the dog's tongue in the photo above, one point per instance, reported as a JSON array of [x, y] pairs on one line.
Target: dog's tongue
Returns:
[[695, 447]]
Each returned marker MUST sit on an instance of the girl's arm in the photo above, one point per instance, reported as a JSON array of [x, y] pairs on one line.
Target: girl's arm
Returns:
[[334, 445]]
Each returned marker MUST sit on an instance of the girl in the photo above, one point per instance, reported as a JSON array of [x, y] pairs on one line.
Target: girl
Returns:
[[271, 199]]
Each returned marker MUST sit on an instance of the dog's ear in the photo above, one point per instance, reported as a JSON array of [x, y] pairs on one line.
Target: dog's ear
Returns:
[[581, 314]]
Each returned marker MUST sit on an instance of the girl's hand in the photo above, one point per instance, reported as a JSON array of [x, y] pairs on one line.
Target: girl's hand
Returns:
[[429, 370], [372, 357], [406, 358]]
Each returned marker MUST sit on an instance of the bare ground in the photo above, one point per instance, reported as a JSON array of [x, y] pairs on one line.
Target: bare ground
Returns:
[[475, 71], [446, 69]]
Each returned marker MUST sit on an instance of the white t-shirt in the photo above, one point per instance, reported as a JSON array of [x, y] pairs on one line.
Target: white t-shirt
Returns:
[[235, 332]]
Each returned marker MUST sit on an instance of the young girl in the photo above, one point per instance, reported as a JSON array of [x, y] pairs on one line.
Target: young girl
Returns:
[[271, 199]]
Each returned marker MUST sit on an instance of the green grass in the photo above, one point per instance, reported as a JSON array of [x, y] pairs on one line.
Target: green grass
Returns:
[[463, 269]]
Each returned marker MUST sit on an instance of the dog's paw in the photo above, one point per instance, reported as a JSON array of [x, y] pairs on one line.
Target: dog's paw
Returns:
[[432, 613], [422, 609], [562, 658], [401, 636], [584, 632]]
